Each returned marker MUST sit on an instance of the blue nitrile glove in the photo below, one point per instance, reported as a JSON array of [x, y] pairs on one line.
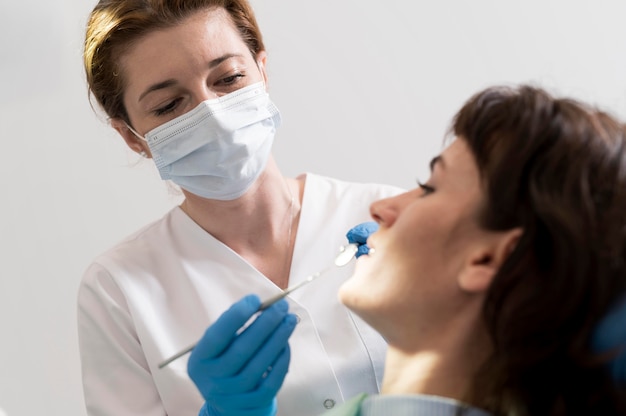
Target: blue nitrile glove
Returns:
[[359, 233], [610, 335], [239, 374]]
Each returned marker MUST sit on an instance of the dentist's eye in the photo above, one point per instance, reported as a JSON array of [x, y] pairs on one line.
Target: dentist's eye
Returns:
[[232, 79], [426, 189], [168, 108]]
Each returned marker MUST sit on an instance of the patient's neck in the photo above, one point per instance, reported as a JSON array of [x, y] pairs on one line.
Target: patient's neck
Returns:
[[443, 367]]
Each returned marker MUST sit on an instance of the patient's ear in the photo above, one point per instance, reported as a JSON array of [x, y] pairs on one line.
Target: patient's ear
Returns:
[[484, 261]]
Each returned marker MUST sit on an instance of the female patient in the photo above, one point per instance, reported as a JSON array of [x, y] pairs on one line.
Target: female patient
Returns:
[[489, 280]]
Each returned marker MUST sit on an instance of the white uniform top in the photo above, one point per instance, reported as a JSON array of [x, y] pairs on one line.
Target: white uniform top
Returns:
[[157, 291]]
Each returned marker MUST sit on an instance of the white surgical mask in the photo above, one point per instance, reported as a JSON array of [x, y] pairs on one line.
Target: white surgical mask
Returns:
[[218, 149]]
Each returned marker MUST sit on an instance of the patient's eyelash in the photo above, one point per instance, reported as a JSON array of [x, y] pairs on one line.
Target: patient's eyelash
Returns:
[[426, 189]]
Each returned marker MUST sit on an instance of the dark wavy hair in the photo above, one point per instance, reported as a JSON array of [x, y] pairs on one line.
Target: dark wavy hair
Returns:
[[557, 169]]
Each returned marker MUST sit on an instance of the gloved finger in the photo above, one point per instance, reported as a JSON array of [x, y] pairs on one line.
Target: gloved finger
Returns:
[[209, 409], [266, 391], [269, 410], [256, 370], [203, 368], [246, 345], [219, 335], [360, 232], [261, 401], [272, 383], [363, 249]]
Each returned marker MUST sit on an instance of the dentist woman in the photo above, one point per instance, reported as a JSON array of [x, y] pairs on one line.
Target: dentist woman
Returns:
[[184, 83]]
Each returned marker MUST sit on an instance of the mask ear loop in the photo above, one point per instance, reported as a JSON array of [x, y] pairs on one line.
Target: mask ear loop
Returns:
[[139, 136], [142, 153]]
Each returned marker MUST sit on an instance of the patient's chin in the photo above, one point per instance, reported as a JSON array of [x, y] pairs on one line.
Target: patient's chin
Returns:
[[356, 297]]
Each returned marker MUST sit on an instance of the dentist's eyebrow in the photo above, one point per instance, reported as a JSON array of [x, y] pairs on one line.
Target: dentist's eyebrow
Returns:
[[171, 82], [158, 86], [215, 62]]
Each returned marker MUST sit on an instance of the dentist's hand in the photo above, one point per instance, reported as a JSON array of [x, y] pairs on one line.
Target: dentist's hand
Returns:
[[239, 374], [359, 233]]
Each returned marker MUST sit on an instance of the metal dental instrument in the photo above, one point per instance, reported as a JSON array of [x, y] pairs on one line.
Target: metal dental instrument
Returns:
[[343, 258]]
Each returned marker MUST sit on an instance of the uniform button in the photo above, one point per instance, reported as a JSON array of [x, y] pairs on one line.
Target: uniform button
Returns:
[[329, 403]]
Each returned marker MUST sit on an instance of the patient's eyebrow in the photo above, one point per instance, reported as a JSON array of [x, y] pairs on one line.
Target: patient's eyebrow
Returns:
[[436, 160]]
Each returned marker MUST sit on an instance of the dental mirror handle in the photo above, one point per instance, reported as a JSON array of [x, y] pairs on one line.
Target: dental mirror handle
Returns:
[[346, 254], [177, 356], [343, 258], [269, 302], [266, 304]]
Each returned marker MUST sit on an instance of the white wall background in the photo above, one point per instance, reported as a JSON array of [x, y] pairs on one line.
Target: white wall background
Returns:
[[366, 89]]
